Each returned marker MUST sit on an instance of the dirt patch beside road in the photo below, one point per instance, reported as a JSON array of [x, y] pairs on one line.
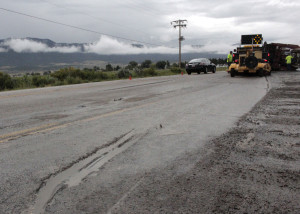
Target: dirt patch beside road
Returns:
[[255, 168]]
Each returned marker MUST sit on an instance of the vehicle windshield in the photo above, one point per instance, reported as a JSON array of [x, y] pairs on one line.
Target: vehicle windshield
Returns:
[[203, 60]]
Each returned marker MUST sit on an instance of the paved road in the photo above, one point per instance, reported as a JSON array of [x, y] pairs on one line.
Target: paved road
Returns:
[[85, 148]]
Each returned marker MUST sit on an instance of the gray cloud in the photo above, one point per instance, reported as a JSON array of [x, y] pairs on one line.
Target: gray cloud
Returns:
[[28, 46], [209, 22], [107, 46]]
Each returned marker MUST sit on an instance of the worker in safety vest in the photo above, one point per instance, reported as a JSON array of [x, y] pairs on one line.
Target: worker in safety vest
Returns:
[[229, 59], [288, 60]]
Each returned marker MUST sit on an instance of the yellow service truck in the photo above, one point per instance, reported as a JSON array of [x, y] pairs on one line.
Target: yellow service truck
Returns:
[[250, 58]]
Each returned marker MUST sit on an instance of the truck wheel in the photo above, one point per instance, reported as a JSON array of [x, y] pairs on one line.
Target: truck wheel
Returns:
[[214, 70], [189, 73], [198, 72], [232, 72], [206, 69], [260, 73]]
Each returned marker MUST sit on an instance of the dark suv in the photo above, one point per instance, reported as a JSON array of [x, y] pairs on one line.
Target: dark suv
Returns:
[[200, 65]]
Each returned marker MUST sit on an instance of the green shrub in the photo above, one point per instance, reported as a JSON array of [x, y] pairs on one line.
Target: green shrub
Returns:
[[6, 81], [149, 72], [42, 81], [146, 64], [124, 73], [146, 72], [73, 80], [138, 72], [61, 74], [176, 70], [161, 64]]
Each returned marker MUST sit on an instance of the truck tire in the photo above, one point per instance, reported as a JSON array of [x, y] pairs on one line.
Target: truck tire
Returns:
[[214, 69], [205, 70], [232, 72], [251, 62], [260, 73]]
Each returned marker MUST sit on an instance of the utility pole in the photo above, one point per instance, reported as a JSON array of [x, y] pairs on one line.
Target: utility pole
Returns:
[[179, 23]]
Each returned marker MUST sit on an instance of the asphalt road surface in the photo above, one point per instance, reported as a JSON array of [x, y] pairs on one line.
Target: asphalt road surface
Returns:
[[90, 148]]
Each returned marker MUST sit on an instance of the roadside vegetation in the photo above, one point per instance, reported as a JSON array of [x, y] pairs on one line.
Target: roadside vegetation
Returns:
[[70, 75]]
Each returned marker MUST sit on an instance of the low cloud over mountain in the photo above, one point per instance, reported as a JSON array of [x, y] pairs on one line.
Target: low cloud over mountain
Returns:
[[104, 46], [32, 54]]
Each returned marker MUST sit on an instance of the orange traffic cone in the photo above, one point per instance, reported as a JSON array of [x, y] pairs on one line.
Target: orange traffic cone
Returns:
[[181, 73], [130, 78]]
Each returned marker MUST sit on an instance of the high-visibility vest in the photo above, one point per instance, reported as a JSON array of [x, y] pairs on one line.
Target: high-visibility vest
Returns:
[[289, 59], [229, 58]]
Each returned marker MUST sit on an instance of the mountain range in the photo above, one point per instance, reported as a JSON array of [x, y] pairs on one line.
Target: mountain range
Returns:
[[34, 54]]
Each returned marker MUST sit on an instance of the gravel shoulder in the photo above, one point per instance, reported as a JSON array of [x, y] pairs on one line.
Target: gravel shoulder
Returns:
[[254, 168]]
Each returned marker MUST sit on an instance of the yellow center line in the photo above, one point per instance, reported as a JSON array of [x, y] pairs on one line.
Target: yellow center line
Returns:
[[19, 95], [55, 126], [12, 135], [41, 92]]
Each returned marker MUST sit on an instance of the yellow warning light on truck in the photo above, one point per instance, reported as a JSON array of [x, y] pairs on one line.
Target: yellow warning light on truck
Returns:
[[251, 39]]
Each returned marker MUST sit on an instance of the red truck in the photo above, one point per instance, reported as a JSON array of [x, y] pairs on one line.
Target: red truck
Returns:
[[277, 53]]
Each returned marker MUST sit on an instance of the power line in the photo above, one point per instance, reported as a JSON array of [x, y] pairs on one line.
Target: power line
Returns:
[[78, 28], [93, 17], [143, 7]]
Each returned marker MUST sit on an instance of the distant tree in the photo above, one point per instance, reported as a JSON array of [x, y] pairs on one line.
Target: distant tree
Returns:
[[182, 64], [6, 81], [214, 60], [109, 67], [96, 68], [168, 64], [146, 64], [124, 73], [133, 64], [222, 61], [161, 64], [218, 61], [87, 69], [47, 73], [117, 68]]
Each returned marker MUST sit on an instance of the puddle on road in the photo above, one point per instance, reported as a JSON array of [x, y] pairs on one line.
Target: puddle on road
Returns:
[[75, 174]]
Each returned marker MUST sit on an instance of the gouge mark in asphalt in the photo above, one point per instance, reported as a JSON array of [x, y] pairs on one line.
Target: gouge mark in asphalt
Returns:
[[53, 126], [75, 174]]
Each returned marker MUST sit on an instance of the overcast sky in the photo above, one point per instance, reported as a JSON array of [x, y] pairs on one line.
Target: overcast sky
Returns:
[[215, 25]]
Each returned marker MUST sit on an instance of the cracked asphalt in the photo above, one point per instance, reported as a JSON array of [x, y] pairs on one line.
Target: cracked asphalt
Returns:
[[197, 144]]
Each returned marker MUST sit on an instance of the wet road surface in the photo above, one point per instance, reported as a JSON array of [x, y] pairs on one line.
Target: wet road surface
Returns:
[[88, 148]]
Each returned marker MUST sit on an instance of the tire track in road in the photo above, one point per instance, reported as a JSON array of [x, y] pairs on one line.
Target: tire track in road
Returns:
[[73, 175]]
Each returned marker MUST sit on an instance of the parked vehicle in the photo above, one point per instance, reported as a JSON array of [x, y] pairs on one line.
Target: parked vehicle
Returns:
[[200, 65]]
